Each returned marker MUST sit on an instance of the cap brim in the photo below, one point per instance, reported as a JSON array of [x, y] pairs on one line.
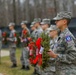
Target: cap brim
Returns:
[[50, 29], [42, 23], [57, 18], [31, 25], [11, 25], [22, 23], [34, 22]]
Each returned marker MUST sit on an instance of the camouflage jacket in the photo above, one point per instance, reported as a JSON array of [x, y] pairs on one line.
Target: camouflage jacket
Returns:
[[12, 38], [24, 37], [65, 48]]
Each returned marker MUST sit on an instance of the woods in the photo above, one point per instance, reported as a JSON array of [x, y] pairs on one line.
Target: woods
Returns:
[[19, 10]]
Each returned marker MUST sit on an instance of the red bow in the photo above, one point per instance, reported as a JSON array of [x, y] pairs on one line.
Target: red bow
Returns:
[[4, 34], [35, 60], [38, 43], [24, 32], [15, 34], [31, 45], [38, 58]]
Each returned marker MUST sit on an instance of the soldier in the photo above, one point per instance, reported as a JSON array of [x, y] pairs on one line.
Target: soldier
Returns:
[[38, 32], [53, 33], [64, 50], [25, 51], [12, 44], [0, 44], [45, 25], [24, 23], [38, 27], [34, 32], [0, 39], [34, 36]]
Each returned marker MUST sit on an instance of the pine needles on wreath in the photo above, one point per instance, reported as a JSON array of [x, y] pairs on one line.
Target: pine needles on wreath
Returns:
[[46, 45]]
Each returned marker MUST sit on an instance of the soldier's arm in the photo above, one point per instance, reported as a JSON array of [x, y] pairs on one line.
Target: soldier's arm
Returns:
[[70, 52], [14, 38]]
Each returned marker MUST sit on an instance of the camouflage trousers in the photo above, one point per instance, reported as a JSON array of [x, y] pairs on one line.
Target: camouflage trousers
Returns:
[[38, 69], [49, 70], [48, 73], [25, 57], [13, 55], [66, 70]]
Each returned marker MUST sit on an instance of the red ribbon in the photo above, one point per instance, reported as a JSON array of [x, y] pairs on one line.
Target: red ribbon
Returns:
[[15, 34], [38, 58], [4, 34], [24, 32]]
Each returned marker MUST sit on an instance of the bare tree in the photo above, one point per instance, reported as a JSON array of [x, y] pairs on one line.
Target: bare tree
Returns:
[[14, 11], [19, 10], [44, 9], [27, 10]]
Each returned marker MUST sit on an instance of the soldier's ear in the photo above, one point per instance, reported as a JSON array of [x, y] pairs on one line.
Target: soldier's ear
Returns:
[[65, 21]]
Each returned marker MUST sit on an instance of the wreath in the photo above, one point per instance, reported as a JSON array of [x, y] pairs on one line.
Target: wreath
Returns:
[[34, 48], [46, 45], [4, 35]]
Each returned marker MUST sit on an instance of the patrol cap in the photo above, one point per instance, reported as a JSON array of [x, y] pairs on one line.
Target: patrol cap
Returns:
[[24, 22], [32, 24], [45, 21], [11, 24], [52, 27], [63, 15], [37, 20]]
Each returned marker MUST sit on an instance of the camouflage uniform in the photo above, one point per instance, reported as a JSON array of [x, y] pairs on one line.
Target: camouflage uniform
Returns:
[[39, 32], [24, 57], [12, 45], [39, 29], [51, 69], [45, 22], [0, 44], [25, 23], [25, 51], [0, 39], [34, 33], [37, 67], [65, 48]]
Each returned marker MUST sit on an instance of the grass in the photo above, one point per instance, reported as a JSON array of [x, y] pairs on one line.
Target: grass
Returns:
[[6, 63]]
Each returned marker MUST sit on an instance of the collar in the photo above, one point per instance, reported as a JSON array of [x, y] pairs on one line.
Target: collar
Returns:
[[65, 30]]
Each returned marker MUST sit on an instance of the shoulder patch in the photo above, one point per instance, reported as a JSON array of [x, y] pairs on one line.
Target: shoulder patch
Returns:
[[68, 38]]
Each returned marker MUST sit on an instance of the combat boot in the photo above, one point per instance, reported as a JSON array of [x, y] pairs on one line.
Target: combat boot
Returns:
[[27, 68], [23, 67], [34, 73], [14, 65]]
